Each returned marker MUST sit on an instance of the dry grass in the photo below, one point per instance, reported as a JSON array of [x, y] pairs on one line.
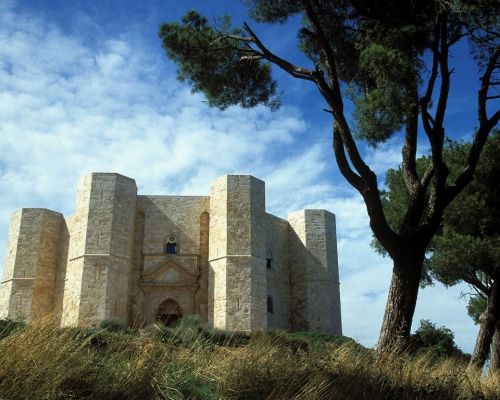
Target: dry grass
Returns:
[[45, 362]]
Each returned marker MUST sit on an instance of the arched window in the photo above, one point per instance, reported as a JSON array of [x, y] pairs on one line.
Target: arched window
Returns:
[[270, 307], [171, 246]]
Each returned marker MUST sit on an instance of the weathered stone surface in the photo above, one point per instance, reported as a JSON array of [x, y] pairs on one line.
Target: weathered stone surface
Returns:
[[136, 258], [28, 287], [237, 253], [315, 303]]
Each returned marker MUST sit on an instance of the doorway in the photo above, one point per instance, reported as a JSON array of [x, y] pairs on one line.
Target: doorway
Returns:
[[168, 312]]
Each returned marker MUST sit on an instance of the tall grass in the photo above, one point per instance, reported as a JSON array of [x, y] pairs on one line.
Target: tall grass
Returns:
[[191, 361]]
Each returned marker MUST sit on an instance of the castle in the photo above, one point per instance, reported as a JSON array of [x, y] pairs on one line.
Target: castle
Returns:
[[142, 258]]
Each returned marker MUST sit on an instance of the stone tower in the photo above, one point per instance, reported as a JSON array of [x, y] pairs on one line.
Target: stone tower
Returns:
[[314, 272], [100, 252], [30, 266], [237, 275]]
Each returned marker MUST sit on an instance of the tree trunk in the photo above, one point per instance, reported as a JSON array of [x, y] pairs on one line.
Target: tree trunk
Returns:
[[401, 300], [487, 323], [495, 350]]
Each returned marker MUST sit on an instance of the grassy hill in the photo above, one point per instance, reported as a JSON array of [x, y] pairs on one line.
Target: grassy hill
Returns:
[[191, 361]]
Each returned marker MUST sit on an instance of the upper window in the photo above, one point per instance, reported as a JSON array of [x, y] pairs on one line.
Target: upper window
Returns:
[[171, 246]]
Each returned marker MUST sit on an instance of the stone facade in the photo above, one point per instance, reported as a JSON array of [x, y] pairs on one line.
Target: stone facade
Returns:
[[141, 258]]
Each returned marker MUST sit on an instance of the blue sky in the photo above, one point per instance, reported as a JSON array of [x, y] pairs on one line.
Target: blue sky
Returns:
[[85, 86]]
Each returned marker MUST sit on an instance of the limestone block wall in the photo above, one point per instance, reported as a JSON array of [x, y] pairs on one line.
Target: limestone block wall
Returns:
[[62, 262], [314, 272], [177, 216], [28, 286], [237, 276], [201, 305], [9, 264], [77, 230], [136, 317], [186, 219], [278, 275], [100, 254]]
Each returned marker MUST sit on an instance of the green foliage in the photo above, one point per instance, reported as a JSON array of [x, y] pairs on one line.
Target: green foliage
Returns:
[[272, 10], [476, 306], [215, 66], [191, 331], [305, 341], [112, 325], [379, 50], [468, 244], [9, 326], [441, 341]]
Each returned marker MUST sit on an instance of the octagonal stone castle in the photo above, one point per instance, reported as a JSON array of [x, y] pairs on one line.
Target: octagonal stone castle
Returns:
[[142, 258]]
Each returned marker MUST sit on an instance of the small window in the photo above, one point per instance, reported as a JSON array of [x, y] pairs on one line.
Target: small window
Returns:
[[270, 307], [171, 246], [269, 260]]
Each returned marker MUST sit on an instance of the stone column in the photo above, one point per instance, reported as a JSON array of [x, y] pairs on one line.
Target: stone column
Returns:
[[314, 272], [237, 275], [101, 249], [27, 290]]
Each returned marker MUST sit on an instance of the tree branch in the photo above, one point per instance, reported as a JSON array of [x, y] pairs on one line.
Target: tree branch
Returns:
[[331, 93], [293, 70], [477, 284], [427, 176], [328, 52], [346, 170], [485, 127], [445, 79], [409, 151], [424, 102], [381, 229], [233, 37]]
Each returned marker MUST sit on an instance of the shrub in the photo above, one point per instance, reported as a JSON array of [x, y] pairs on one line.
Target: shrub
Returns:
[[441, 341], [112, 325], [9, 326]]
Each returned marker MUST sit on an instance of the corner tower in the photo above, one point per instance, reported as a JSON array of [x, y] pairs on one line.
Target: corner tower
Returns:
[[27, 289], [100, 251], [237, 274], [315, 293]]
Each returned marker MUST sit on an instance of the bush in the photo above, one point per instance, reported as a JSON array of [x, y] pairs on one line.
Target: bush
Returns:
[[112, 325], [225, 338], [441, 341], [9, 326], [191, 331]]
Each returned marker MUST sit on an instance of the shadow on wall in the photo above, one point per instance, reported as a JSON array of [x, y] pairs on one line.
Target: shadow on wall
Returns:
[[172, 251], [171, 216], [314, 292]]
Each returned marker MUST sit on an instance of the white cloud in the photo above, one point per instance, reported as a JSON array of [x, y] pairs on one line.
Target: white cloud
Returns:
[[386, 155], [68, 109]]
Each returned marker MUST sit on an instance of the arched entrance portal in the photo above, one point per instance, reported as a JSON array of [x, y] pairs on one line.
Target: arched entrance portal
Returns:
[[168, 312]]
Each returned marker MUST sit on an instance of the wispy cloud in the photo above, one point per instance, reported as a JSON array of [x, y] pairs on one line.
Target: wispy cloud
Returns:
[[68, 107]]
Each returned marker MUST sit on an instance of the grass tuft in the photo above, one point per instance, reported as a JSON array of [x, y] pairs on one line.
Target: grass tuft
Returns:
[[192, 361]]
